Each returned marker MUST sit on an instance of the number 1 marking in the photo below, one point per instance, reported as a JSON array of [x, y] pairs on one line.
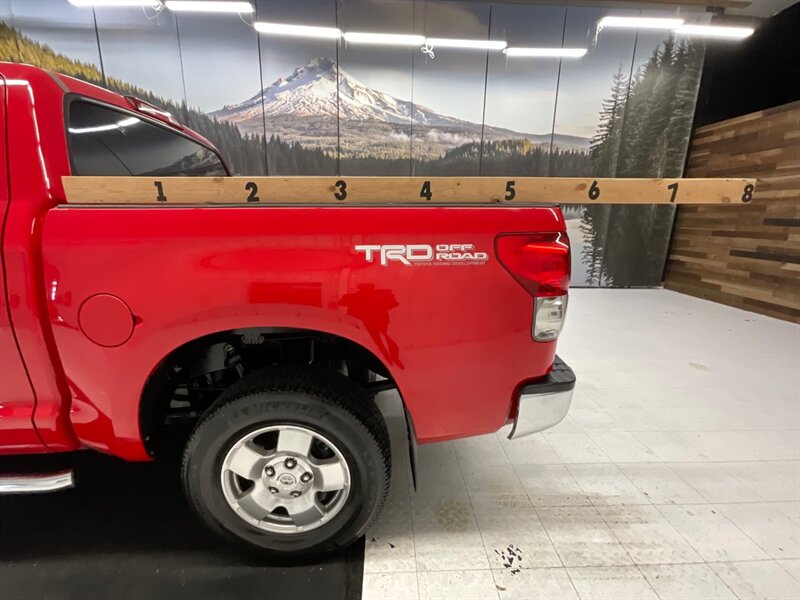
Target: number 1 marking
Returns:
[[160, 197]]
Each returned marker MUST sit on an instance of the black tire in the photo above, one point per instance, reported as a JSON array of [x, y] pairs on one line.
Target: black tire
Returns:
[[324, 401]]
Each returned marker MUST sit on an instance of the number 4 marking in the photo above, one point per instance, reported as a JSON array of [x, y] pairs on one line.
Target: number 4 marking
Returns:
[[426, 192]]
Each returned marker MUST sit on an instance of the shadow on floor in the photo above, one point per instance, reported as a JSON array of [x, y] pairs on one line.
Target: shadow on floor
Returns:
[[126, 531]]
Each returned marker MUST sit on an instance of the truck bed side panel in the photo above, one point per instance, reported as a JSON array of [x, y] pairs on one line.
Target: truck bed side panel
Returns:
[[455, 336]]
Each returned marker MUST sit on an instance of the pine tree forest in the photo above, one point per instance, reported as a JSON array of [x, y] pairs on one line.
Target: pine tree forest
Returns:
[[644, 130]]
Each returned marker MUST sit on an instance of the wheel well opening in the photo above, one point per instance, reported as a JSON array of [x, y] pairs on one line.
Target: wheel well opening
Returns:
[[191, 377]]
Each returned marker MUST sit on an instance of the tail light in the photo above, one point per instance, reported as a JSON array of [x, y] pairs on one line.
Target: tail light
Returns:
[[540, 262]]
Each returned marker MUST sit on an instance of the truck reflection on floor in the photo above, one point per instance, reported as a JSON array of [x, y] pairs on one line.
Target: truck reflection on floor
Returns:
[[371, 306]]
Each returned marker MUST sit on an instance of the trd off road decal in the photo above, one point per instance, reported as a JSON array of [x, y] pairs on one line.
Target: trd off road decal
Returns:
[[423, 254]]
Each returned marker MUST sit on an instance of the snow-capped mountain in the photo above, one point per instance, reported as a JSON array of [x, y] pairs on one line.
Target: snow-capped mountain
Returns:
[[304, 105]]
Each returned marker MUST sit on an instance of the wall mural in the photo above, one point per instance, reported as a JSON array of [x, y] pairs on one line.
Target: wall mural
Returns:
[[298, 106]]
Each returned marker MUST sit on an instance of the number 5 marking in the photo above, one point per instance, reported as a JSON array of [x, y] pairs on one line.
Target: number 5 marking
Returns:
[[510, 191]]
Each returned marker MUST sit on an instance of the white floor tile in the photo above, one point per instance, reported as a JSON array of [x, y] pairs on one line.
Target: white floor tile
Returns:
[[686, 582], [534, 584], [611, 583], [661, 484], [711, 534], [390, 586], [767, 526], [515, 538], [622, 446], [531, 450], [582, 538], [669, 446], [390, 541], [491, 479], [773, 481], [790, 509], [791, 566], [604, 484], [446, 535], [647, 536], [576, 448], [457, 585], [714, 483], [551, 485], [758, 580]]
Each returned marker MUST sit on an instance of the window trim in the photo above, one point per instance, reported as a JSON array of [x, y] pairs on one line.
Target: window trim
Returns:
[[73, 97]]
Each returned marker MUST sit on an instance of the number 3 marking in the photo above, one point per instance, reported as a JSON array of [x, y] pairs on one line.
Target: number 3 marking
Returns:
[[342, 187]]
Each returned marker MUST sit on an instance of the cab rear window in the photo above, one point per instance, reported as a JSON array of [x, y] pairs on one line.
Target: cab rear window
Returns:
[[104, 141]]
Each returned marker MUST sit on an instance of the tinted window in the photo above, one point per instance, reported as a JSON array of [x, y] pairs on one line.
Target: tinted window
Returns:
[[104, 141]]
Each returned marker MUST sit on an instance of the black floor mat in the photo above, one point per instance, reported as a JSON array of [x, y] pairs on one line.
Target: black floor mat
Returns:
[[126, 532]]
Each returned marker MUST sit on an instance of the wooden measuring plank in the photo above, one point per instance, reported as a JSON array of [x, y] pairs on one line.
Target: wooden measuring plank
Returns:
[[403, 190]]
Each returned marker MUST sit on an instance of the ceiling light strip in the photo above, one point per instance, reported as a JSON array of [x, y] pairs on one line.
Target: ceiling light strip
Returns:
[[308, 31], [639, 22], [715, 31], [469, 44], [546, 52], [211, 6], [385, 39], [116, 3]]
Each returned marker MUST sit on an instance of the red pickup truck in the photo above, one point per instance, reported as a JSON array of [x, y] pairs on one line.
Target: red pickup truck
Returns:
[[270, 328]]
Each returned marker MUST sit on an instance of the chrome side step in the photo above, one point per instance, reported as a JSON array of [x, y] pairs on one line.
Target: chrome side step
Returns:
[[36, 483]]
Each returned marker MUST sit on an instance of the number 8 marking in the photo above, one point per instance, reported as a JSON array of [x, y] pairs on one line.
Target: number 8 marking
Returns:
[[748, 192]]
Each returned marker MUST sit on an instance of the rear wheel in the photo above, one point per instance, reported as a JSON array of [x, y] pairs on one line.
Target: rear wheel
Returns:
[[292, 461]]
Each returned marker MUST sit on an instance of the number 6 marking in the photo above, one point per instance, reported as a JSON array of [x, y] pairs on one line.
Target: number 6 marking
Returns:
[[594, 191]]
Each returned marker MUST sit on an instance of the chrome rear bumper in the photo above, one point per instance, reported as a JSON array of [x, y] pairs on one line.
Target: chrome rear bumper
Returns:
[[544, 403]]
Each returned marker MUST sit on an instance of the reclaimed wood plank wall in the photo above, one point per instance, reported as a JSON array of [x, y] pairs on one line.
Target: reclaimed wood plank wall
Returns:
[[747, 256]]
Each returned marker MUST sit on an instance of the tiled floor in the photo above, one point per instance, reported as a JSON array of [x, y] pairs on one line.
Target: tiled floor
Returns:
[[675, 475]]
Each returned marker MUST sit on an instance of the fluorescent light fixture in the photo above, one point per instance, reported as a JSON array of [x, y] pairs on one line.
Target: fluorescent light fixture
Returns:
[[640, 22], [546, 52], [476, 44], [84, 3], [716, 31], [297, 30], [386, 39], [217, 6]]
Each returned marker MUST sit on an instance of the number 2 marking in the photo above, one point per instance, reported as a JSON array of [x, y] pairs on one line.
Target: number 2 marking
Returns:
[[160, 197], [342, 187], [253, 189], [674, 188]]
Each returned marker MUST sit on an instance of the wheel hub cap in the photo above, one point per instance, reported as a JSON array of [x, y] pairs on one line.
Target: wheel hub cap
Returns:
[[285, 479]]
